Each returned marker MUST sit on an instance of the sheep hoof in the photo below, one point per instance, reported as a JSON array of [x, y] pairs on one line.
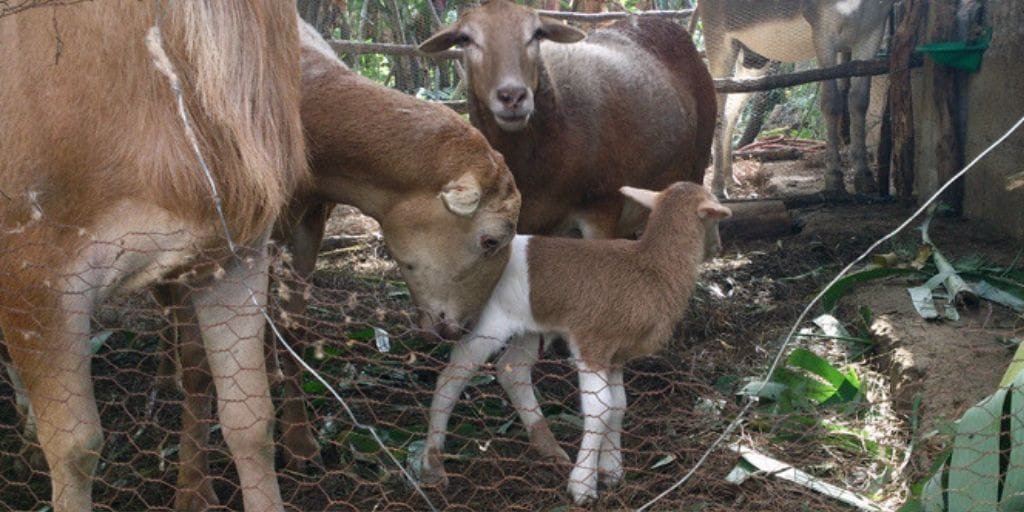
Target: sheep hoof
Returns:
[[196, 496], [864, 182], [583, 485], [434, 477], [581, 493], [611, 479], [720, 190], [300, 450], [543, 442], [429, 469]]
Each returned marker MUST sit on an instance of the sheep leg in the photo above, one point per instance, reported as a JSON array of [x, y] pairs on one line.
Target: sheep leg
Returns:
[[50, 353], [832, 112], [596, 404], [195, 487], [466, 358], [228, 312], [299, 446], [610, 464], [514, 368], [859, 101]]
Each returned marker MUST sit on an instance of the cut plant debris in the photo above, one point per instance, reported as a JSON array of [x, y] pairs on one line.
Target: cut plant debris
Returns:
[[753, 463]]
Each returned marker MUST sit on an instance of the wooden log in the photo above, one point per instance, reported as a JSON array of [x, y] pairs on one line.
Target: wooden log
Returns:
[[408, 50], [769, 154], [755, 220], [879, 66]]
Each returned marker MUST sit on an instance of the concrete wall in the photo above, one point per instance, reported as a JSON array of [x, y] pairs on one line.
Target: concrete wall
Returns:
[[994, 102]]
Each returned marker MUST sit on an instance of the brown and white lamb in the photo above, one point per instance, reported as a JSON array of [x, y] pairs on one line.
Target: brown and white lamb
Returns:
[[611, 300]]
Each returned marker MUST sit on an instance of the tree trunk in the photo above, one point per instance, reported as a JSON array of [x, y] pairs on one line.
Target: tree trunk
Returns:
[[885, 153], [901, 98]]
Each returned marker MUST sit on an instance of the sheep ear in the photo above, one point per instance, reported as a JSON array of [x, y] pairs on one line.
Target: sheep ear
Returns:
[[646, 198], [560, 32], [710, 208], [461, 196], [441, 41]]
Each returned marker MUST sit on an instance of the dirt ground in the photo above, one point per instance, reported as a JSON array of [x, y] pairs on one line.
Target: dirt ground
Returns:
[[680, 400]]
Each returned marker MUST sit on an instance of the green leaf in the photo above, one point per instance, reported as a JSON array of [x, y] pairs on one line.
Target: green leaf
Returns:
[[995, 294], [1013, 487], [664, 461], [313, 387], [974, 465], [842, 286], [803, 386], [365, 334], [763, 390], [96, 342]]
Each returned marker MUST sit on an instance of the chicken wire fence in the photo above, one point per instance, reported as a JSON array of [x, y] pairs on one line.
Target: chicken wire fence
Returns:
[[358, 332]]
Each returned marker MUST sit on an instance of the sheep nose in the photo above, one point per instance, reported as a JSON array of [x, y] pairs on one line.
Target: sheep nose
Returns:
[[512, 96]]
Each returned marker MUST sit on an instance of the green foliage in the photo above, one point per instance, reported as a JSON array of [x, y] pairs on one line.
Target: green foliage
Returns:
[[842, 286], [806, 382], [375, 66]]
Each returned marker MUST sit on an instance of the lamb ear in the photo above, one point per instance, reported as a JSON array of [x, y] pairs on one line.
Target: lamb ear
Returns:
[[710, 208], [461, 196], [441, 41], [644, 197], [560, 32]]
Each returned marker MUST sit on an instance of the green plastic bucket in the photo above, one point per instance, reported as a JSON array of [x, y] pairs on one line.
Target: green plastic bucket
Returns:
[[957, 54]]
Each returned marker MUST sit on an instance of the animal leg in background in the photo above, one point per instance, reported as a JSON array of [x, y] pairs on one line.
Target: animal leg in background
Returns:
[[298, 443], [859, 101], [194, 488], [730, 106]]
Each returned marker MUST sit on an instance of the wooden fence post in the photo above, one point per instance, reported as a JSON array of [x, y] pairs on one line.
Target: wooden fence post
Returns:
[[901, 100]]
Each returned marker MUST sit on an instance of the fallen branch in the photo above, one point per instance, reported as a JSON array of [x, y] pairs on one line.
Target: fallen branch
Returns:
[[778, 148]]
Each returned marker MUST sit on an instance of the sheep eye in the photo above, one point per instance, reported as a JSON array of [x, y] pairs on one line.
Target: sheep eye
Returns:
[[462, 40], [489, 244]]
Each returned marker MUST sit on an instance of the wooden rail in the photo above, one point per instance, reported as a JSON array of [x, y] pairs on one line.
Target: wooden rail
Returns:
[[598, 17]]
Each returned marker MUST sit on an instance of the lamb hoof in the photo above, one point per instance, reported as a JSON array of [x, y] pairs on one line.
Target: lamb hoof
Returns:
[[434, 477], [543, 442], [583, 485], [582, 494], [429, 469], [611, 479]]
